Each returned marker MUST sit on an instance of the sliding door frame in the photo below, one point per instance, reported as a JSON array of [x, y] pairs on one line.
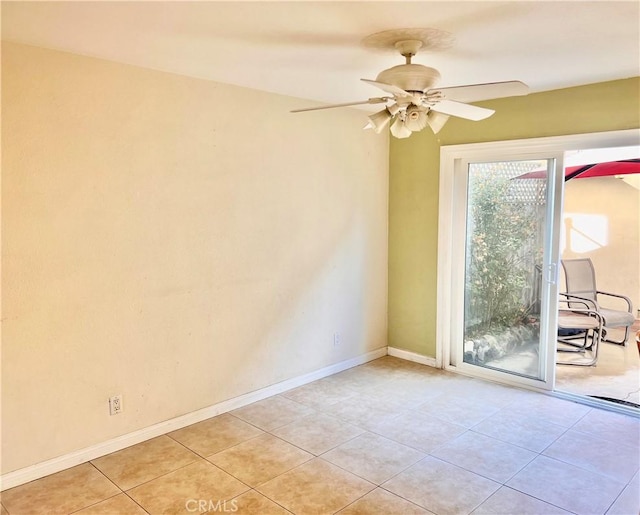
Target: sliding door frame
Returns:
[[452, 160]]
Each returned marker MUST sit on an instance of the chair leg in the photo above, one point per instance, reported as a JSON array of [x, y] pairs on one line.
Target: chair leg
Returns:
[[596, 338], [568, 340], [621, 342]]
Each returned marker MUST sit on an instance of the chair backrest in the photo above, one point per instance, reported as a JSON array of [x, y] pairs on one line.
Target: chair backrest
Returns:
[[580, 277]]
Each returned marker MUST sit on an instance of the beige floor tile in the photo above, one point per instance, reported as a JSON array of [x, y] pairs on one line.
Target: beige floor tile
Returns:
[[413, 380], [611, 426], [509, 502], [407, 399], [360, 378], [315, 487], [531, 433], [611, 459], [373, 457], [391, 373], [260, 459], [557, 482], [397, 363], [485, 456], [184, 490], [484, 391], [441, 487], [272, 412], [406, 393], [318, 433], [629, 500], [145, 461], [120, 505], [381, 502], [254, 503], [64, 492], [319, 394], [419, 430], [215, 434], [459, 409], [557, 411], [3, 510], [364, 410]]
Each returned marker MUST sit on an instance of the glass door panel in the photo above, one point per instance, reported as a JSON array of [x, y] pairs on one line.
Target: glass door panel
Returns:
[[504, 264]]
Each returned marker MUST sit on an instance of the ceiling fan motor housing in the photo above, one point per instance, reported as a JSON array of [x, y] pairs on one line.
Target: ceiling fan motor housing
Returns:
[[410, 77]]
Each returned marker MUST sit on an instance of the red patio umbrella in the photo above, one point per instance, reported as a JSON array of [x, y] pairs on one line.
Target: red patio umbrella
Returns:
[[608, 169]]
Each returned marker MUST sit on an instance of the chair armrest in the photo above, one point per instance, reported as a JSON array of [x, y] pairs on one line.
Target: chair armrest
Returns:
[[590, 304], [586, 310], [623, 297]]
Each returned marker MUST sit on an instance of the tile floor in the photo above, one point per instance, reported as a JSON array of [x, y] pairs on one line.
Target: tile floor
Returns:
[[388, 437]]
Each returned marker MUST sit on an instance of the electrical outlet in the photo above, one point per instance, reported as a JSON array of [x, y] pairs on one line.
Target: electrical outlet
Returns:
[[337, 339], [115, 405]]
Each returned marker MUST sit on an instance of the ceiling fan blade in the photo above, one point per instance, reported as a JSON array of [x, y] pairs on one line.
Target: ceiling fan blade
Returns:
[[470, 112], [475, 92], [389, 88], [379, 100]]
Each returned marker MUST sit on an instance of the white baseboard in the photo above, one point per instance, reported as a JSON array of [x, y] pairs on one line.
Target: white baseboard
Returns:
[[412, 356], [24, 475]]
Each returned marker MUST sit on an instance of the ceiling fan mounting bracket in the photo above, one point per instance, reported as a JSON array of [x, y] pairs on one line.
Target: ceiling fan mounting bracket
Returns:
[[406, 40], [408, 48]]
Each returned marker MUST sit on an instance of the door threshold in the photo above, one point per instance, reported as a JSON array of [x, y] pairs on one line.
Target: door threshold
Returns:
[[595, 402]]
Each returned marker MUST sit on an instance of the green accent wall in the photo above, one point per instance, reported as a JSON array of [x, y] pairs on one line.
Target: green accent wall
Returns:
[[414, 165]]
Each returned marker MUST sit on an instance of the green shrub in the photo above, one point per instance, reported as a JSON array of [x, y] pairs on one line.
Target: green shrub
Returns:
[[503, 251]]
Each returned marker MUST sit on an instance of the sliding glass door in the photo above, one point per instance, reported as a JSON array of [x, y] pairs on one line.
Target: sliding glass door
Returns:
[[500, 216], [506, 260], [506, 218]]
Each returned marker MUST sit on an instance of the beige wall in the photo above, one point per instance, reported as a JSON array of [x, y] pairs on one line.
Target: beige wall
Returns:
[[176, 241], [414, 168], [602, 222]]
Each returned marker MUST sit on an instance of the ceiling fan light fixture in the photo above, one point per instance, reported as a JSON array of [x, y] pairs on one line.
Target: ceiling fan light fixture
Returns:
[[436, 121], [399, 129], [380, 120], [416, 118], [393, 109]]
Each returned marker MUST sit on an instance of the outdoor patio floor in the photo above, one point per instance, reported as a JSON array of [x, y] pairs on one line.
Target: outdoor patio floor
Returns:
[[615, 375]]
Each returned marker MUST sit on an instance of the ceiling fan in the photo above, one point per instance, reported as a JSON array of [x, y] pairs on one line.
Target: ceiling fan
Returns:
[[414, 101]]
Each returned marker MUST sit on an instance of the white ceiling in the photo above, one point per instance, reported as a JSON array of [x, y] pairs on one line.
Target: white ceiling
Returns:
[[312, 50]]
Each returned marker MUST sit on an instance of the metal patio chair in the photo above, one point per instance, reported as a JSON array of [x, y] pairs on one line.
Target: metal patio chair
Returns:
[[579, 329], [580, 278]]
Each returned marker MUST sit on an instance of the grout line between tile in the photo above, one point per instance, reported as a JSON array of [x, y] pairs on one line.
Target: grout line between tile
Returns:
[[609, 440], [183, 445], [137, 503], [93, 504], [164, 474], [265, 496], [542, 500], [274, 477], [586, 469], [618, 496], [293, 444]]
